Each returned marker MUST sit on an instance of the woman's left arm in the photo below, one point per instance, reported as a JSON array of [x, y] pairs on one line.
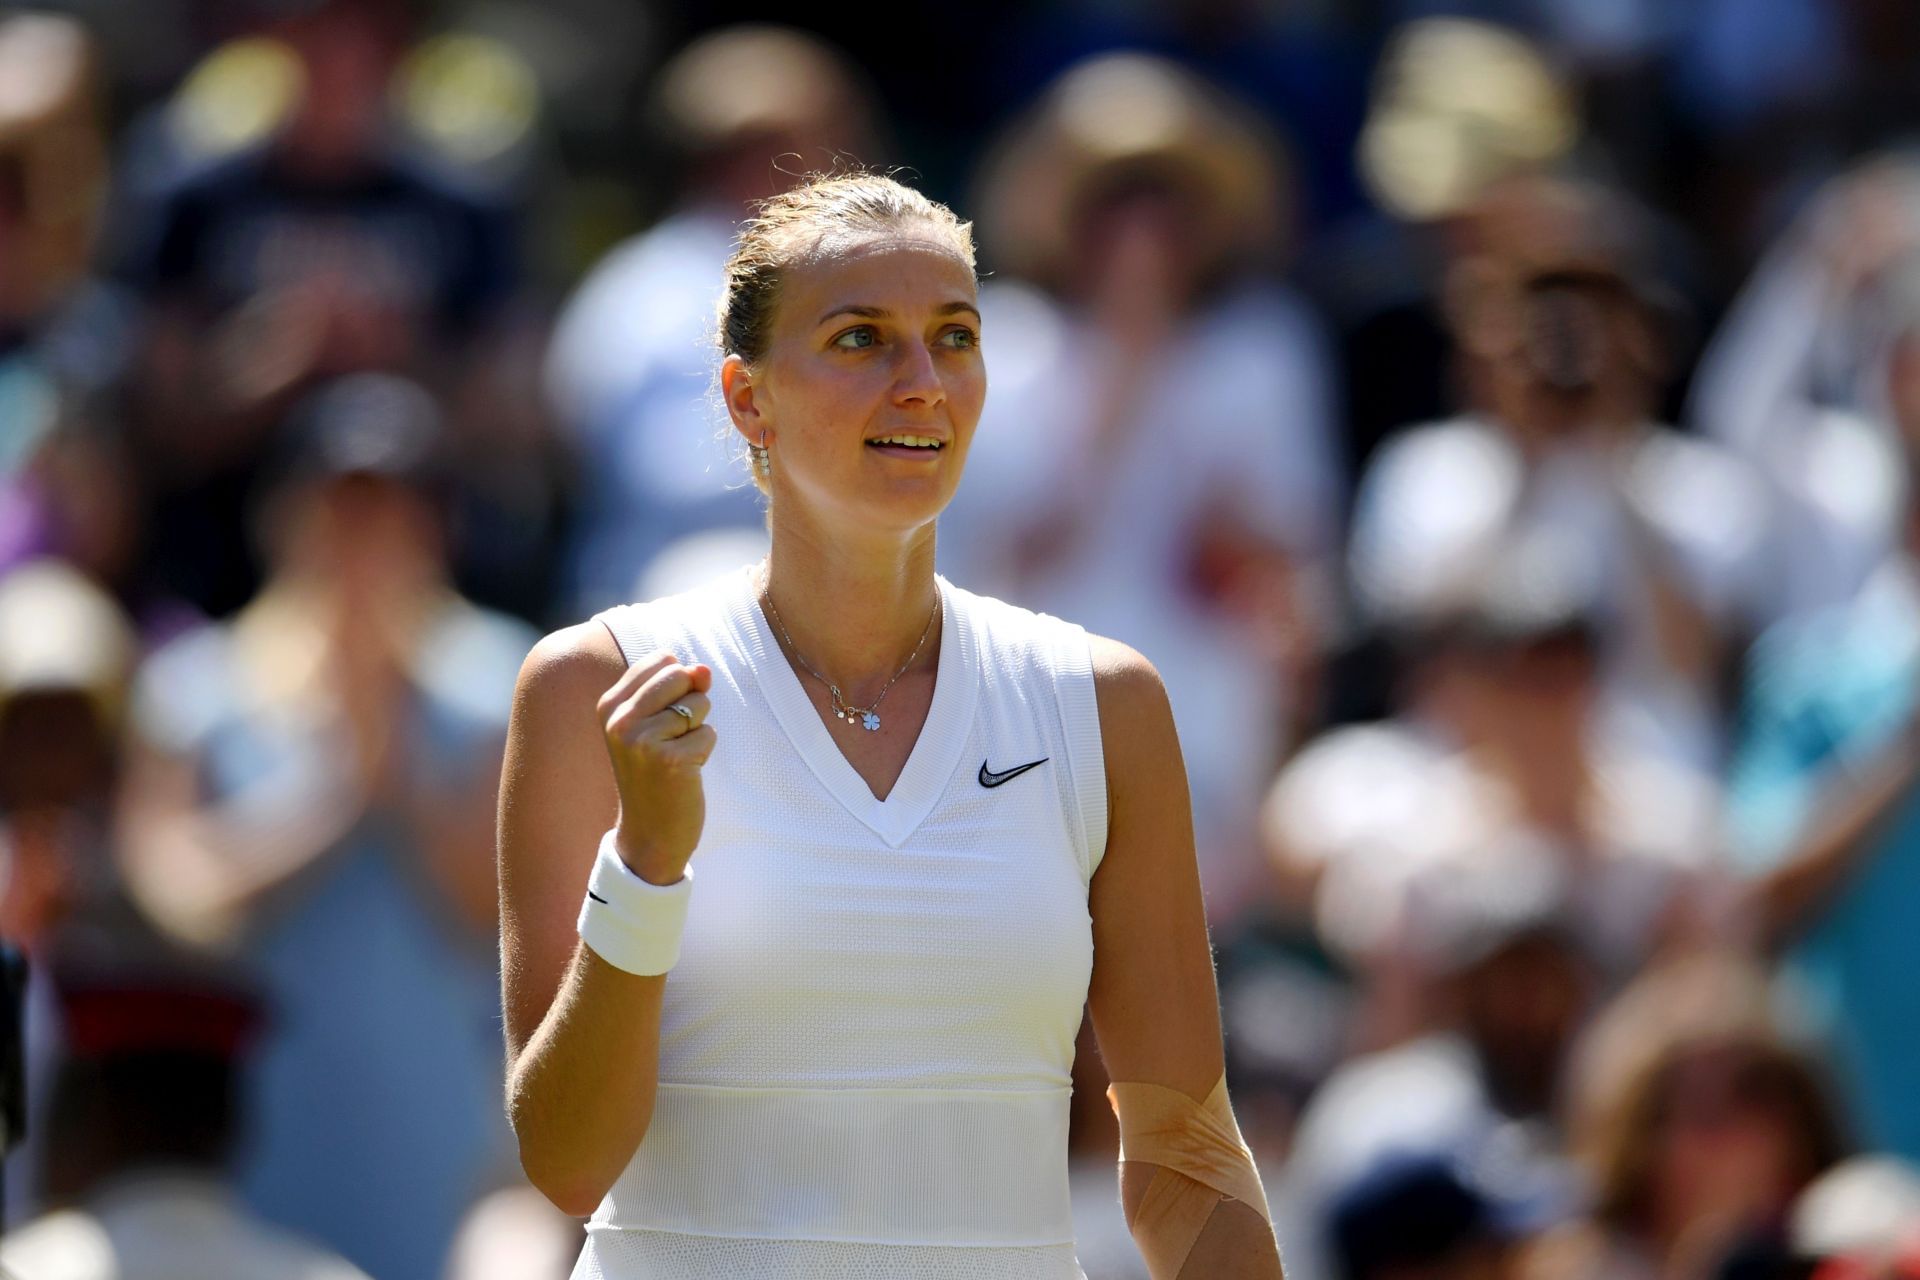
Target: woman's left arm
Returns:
[[1187, 1183]]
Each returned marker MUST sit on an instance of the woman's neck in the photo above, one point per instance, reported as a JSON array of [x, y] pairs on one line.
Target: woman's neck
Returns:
[[854, 608]]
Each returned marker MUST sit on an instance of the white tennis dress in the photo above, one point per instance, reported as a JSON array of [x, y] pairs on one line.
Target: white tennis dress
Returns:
[[866, 1045]]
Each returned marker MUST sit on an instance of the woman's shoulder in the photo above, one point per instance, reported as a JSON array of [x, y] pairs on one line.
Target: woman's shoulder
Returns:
[[1135, 711], [574, 664]]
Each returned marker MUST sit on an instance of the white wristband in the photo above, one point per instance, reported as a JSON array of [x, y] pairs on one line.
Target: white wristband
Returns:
[[631, 923]]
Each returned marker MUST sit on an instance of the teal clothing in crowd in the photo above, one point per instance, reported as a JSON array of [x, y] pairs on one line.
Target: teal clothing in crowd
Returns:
[[1828, 695]]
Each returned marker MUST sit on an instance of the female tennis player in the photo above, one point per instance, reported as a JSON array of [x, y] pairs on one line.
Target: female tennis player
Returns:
[[806, 874]]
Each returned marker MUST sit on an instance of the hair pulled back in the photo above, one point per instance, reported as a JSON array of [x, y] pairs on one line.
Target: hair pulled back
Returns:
[[795, 226]]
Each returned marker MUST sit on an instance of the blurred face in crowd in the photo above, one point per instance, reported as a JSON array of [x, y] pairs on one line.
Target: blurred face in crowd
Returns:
[[1581, 342], [1523, 696], [1521, 1006], [1554, 343], [1138, 248], [871, 340], [1572, 329], [367, 534], [347, 54], [1727, 1145]]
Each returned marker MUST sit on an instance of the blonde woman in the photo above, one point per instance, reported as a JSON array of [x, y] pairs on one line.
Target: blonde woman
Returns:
[[806, 874]]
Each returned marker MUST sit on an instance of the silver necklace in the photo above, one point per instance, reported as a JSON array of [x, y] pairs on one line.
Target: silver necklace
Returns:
[[867, 717]]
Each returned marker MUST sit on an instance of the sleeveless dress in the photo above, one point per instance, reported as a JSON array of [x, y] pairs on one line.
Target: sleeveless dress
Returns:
[[866, 1046]]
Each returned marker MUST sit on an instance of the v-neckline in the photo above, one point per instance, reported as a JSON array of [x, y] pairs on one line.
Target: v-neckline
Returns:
[[936, 751]]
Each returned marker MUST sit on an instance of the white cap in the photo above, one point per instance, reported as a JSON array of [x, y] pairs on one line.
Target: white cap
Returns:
[[59, 631], [1866, 1205]]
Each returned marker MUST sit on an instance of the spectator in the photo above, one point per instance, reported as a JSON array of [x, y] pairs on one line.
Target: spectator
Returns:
[[146, 1114], [66, 657], [313, 788], [1797, 382], [1157, 456], [1502, 985], [66, 662], [1697, 1122], [1456, 106], [327, 248], [1498, 745], [1562, 356], [1824, 804], [748, 110], [64, 335]]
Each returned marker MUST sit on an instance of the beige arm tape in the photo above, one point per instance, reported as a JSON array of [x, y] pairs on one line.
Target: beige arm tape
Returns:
[[1201, 1157]]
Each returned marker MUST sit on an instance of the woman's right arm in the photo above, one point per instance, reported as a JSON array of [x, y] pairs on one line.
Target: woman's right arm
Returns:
[[590, 746]]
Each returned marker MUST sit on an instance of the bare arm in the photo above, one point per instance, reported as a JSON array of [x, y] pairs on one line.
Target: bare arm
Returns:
[[199, 868], [583, 1037], [1153, 1000], [1844, 833], [203, 868]]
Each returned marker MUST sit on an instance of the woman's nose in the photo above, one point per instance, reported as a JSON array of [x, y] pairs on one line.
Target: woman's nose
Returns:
[[916, 377]]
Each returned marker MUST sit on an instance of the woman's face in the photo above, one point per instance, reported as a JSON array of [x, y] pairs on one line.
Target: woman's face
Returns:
[[1140, 252], [872, 341], [1726, 1153]]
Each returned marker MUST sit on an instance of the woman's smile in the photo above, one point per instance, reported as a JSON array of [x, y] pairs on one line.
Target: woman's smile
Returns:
[[912, 446]]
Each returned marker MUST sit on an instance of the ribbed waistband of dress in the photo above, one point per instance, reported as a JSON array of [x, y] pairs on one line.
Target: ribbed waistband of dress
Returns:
[[897, 1166]]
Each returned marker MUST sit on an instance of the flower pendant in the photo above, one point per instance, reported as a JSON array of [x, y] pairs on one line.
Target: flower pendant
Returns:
[[870, 721]]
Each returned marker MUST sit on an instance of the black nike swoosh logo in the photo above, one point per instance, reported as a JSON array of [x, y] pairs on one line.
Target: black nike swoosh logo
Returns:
[[988, 778]]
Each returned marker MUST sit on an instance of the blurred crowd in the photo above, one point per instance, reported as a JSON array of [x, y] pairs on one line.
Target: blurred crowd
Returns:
[[1497, 420]]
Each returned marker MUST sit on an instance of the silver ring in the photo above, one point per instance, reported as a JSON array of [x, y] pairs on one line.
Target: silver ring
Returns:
[[682, 712]]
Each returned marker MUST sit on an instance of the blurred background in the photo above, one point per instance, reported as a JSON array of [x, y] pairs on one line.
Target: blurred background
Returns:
[[1498, 420]]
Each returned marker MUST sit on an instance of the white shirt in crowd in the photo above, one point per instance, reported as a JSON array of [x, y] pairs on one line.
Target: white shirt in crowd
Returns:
[[1440, 500]]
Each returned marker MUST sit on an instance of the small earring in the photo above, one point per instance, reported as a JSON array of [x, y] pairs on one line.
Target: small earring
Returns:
[[763, 457]]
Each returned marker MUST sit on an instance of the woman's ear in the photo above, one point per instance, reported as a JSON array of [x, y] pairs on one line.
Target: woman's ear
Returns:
[[746, 406]]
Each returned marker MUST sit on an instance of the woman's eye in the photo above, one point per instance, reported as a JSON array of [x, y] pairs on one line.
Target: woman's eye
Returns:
[[855, 339], [962, 339]]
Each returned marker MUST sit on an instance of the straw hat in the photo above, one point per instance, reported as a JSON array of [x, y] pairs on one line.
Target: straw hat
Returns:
[[1457, 105], [752, 81], [1120, 117]]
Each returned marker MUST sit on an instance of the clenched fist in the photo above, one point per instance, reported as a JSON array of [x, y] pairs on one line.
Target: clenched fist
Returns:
[[657, 754]]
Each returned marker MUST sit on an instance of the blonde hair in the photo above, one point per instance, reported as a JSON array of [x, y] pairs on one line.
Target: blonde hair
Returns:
[[805, 222]]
